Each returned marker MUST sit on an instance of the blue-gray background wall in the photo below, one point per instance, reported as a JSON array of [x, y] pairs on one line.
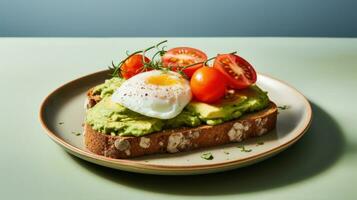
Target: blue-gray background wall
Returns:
[[327, 18]]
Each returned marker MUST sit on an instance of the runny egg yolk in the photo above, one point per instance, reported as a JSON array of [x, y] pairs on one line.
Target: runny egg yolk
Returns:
[[162, 80]]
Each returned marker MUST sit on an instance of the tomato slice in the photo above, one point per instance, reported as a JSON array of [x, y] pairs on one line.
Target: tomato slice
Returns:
[[133, 66], [238, 72], [183, 56]]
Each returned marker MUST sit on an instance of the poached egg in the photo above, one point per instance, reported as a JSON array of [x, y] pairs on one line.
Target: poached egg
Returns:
[[159, 94]]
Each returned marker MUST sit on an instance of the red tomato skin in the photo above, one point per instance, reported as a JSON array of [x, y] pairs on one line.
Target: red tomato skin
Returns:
[[190, 70], [183, 56], [208, 85], [243, 81], [133, 66]]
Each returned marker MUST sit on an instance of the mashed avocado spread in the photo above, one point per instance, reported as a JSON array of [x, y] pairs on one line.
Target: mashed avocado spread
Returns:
[[112, 118]]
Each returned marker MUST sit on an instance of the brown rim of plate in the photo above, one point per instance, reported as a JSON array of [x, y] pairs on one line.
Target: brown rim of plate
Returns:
[[145, 166]]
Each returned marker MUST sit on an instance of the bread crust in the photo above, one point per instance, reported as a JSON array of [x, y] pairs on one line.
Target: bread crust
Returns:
[[181, 139]]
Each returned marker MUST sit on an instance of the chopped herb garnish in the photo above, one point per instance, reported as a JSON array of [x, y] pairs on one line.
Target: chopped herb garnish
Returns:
[[207, 156], [76, 133], [226, 152], [284, 107], [243, 149], [260, 143], [60, 123]]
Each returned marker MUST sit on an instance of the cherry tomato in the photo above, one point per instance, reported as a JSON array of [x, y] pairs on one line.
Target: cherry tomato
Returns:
[[183, 56], [238, 72], [208, 85], [133, 66]]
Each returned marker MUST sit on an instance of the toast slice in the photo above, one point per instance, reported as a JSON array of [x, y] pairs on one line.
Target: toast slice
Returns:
[[181, 139]]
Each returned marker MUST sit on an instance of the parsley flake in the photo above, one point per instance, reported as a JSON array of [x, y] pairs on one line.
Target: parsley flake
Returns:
[[243, 149], [76, 133], [284, 107], [207, 156]]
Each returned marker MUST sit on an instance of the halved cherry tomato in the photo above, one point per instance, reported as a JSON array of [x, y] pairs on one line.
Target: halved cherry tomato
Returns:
[[239, 73], [183, 56], [133, 66], [208, 85]]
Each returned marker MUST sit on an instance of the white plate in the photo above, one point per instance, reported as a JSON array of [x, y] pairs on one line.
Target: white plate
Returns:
[[62, 114]]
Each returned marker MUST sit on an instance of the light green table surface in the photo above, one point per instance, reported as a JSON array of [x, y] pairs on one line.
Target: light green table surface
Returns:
[[322, 165]]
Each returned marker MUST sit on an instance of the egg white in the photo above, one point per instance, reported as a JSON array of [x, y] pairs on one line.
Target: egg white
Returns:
[[154, 100]]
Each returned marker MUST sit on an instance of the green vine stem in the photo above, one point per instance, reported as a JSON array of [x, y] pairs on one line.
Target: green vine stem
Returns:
[[155, 64], [117, 68]]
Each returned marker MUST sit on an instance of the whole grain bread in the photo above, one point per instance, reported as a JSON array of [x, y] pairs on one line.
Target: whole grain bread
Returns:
[[181, 139]]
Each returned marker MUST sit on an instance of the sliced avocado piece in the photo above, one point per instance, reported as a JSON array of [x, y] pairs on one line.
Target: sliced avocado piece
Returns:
[[232, 107], [219, 110]]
